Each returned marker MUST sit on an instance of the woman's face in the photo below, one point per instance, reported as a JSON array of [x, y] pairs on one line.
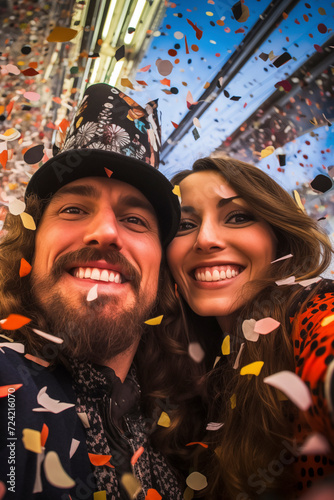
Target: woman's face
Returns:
[[220, 246]]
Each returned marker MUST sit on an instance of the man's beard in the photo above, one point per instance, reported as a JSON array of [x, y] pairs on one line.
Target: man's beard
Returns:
[[89, 333]]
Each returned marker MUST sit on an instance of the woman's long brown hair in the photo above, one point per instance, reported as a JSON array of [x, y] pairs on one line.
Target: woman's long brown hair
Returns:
[[257, 428]]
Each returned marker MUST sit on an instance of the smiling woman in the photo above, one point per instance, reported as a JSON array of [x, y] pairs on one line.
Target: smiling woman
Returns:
[[243, 253]]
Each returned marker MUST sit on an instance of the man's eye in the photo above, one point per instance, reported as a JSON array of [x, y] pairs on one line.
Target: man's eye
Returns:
[[135, 220], [72, 211]]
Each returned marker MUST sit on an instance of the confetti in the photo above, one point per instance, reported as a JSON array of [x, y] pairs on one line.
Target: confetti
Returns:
[[226, 346], [25, 268], [14, 322], [108, 172], [164, 420], [48, 336], [99, 460], [34, 155], [176, 190], [84, 419], [288, 256], [136, 455], [291, 280], [32, 440], [266, 325], [27, 221], [16, 207], [326, 321], [292, 386], [321, 183], [309, 282], [60, 34], [196, 481], [143, 70], [131, 484], [4, 158], [315, 444], [152, 494], [237, 359], [92, 294], [233, 400], [252, 369], [188, 494], [248, 330], [44, 434], [14, 346], [196, 352], [214, 426], [165, 67], [120, 53], [196, 122], [125, 82], [8, 389], [38, 361], [197, 442], [74, 446], [267, 151], [154, 321], [298, 200], [55, 473], [32, 96], [199, 32], [100, 495], [49, 404]]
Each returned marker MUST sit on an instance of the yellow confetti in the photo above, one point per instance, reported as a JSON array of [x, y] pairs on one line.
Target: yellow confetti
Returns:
[[298, 200], [32, 440], [131, 484], [267, 151], [226, 348], [55, 473], [233, 400], [28, 221], [164, 420], [125, 82], [196, 481], [252, 368], [176, 190], [206, 85], [154, 321], [60, 34], [326, 321], [100, 495], [188, 493]]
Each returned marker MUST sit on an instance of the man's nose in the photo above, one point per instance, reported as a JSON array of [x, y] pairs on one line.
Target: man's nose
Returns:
[[103, 230], [210, 237]]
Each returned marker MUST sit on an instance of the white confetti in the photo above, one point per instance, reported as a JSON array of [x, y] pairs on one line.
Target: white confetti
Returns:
[[92, 294]]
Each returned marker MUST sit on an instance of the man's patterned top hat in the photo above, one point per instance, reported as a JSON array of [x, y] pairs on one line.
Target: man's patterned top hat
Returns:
[[113, 136]]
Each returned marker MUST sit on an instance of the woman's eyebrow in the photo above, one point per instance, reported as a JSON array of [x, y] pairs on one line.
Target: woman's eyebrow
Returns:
[[224, 201]]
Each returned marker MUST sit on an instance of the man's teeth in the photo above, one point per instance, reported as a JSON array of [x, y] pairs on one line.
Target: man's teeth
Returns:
[[216, 274], [97, 274]]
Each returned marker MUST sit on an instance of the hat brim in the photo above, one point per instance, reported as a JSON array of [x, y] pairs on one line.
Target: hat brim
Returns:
[[74, 164]]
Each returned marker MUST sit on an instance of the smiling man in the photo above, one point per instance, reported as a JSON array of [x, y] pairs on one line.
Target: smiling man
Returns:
[[104, 214]]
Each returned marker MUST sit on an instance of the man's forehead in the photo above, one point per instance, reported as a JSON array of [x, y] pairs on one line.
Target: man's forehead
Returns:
[[95, 187]]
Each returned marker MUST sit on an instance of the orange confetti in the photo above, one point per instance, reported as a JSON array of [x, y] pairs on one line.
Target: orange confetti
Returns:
[[99, 460], [38, 361], [64, 124], [44, 434], [14, 321], [136, 455], [9, 108], [194, 48], [60, 34], [25, 268], [153, 495], [8, 389], [4, 158], [141, 82], [57, 100], [285, 15], [108, 172], [146, 68], [165, 81], [197, 442], [33, 65]]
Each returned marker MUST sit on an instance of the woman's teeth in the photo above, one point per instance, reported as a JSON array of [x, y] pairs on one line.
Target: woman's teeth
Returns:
[[218, 273]]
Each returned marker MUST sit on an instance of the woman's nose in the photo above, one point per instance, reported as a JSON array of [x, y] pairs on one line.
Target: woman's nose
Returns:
[[210, 237]]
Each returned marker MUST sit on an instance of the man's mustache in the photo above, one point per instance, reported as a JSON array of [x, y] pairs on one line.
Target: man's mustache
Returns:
[[83, 255]]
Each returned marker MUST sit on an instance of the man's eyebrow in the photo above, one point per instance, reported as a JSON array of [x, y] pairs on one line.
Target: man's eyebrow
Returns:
[[222, 202], [132, 200], [81, 190]]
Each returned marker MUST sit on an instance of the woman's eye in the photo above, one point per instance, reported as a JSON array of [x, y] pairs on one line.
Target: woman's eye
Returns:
[[239, 218], [186, 225]]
